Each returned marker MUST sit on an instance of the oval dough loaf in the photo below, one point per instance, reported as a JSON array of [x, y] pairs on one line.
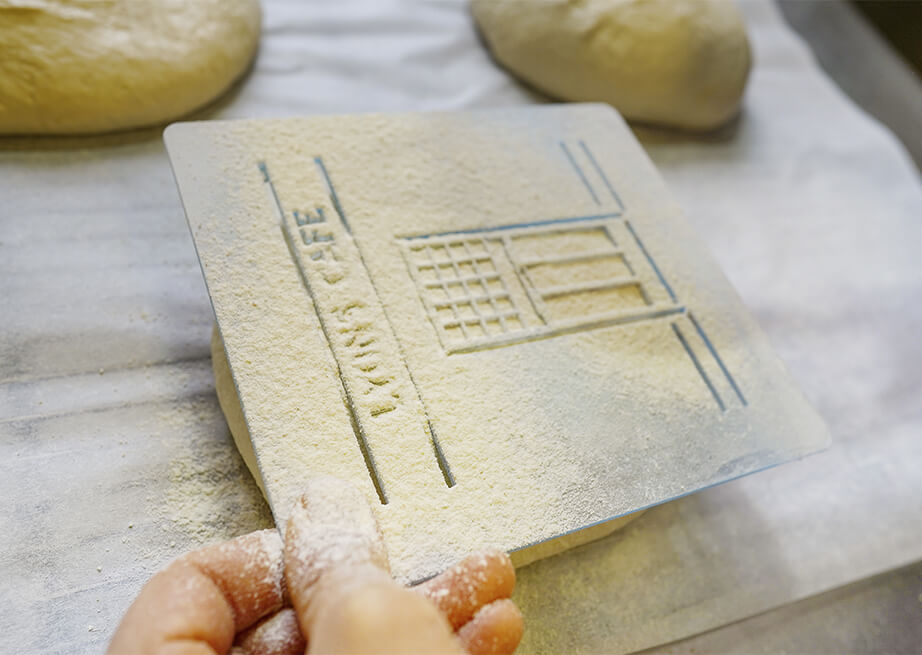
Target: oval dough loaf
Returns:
[[682, 63], [78, 66], [230, 405]]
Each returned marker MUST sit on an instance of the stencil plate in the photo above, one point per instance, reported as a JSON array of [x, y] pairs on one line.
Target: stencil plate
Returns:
[[495, 323]]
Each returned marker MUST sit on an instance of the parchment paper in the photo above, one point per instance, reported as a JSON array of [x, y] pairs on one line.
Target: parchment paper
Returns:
[[113, 453]]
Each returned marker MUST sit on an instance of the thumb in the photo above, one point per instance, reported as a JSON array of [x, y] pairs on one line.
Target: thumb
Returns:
[[337, 575], [331, 533]]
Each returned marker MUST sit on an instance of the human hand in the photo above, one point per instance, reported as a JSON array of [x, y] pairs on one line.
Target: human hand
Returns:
[[326, 590]]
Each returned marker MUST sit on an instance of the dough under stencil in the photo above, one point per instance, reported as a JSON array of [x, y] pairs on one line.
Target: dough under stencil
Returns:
[[495, 324]]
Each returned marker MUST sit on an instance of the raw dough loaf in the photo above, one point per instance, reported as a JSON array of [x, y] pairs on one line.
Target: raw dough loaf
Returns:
[[682, 63], [77, 66], [230, 405]]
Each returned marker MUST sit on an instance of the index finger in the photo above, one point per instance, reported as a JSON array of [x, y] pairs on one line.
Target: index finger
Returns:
[[200, 601], [472, 583]]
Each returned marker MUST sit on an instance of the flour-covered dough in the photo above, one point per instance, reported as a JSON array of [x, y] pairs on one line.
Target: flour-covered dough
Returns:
[[230, 405], [682, 63], [79, 66]]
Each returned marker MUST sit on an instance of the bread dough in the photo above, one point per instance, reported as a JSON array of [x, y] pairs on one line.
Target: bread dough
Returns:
[[230, 405], [526, 556], [341, 290], [682, 63], [78, 66]]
